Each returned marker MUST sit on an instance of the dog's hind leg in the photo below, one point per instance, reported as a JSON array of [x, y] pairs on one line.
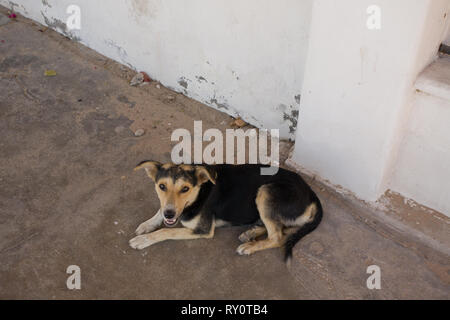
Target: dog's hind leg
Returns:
[[275, 236], [290, 230], [252, 234], [275, 239], [151, 224]]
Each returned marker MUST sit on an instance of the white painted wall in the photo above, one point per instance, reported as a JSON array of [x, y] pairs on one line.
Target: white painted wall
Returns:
[[242, 57], [358, 87]]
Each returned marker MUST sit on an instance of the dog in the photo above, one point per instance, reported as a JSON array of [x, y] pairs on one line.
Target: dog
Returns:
[[205, 197]]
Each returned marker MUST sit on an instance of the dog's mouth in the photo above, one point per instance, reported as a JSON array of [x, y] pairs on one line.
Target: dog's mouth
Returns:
[[170, 222]]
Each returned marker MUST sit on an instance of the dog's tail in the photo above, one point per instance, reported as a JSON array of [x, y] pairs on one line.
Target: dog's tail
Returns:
[[302, 231]]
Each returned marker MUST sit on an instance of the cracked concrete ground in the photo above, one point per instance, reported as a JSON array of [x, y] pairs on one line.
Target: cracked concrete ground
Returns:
[[68, 196]]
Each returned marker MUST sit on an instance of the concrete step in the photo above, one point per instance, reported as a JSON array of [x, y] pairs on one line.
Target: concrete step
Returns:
[[422, 170], [435, 80]]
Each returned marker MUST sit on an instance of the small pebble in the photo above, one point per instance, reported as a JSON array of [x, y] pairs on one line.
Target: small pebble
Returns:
[[139, 133], [137, 79], [119, 129], [140, 79], [238, 123]]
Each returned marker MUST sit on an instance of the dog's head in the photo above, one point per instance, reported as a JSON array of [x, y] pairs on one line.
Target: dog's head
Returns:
[[177, 186]]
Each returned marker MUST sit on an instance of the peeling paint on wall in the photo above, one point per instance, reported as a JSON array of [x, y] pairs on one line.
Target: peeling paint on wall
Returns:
[[220, 105], [121, 52], [235, 74], [46, 4], [200, 79], [183, 82], [291, 117], [14, 7], [59, 26]]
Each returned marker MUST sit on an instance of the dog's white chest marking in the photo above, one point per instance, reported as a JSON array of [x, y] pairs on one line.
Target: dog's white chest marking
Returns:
[[221, 223], [191, 224]]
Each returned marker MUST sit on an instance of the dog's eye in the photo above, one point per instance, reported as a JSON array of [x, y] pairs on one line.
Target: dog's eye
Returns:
[[185, 189], [162, 187]]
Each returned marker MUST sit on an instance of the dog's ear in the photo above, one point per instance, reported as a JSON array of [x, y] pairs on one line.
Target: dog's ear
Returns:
[[151, 167], [203, 174]]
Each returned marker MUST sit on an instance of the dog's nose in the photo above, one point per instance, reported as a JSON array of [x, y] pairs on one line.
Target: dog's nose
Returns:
[[169, 214]]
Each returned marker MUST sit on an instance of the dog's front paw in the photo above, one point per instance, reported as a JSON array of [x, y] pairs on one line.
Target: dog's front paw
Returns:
[[245, 237], [245, 249], [145, 227], [141, 242]]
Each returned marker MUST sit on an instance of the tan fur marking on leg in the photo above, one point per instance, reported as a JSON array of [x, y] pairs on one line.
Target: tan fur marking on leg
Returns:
[[290, 230], [307, 216], [275, 237], [252, 234]]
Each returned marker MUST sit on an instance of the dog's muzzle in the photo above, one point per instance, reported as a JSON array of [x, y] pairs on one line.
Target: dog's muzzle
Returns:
[[169, 218], [170, 222]]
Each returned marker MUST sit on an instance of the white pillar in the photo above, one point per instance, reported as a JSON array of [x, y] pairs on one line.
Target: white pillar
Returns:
[[357, 86]]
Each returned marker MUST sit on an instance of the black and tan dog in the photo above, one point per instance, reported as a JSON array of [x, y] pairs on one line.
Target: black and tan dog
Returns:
[[205, 197]]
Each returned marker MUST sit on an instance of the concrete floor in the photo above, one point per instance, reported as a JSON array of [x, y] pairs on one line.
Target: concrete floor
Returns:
[[68, 196]]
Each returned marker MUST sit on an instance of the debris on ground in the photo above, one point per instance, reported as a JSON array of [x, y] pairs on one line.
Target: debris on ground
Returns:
[[119, 129], [158, 86], [170, 98], [50, 73], [139, 132], [238, 123], [140, 79], [12, 15]]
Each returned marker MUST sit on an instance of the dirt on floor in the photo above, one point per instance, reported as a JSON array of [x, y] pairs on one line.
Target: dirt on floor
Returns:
[[69, 196]]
